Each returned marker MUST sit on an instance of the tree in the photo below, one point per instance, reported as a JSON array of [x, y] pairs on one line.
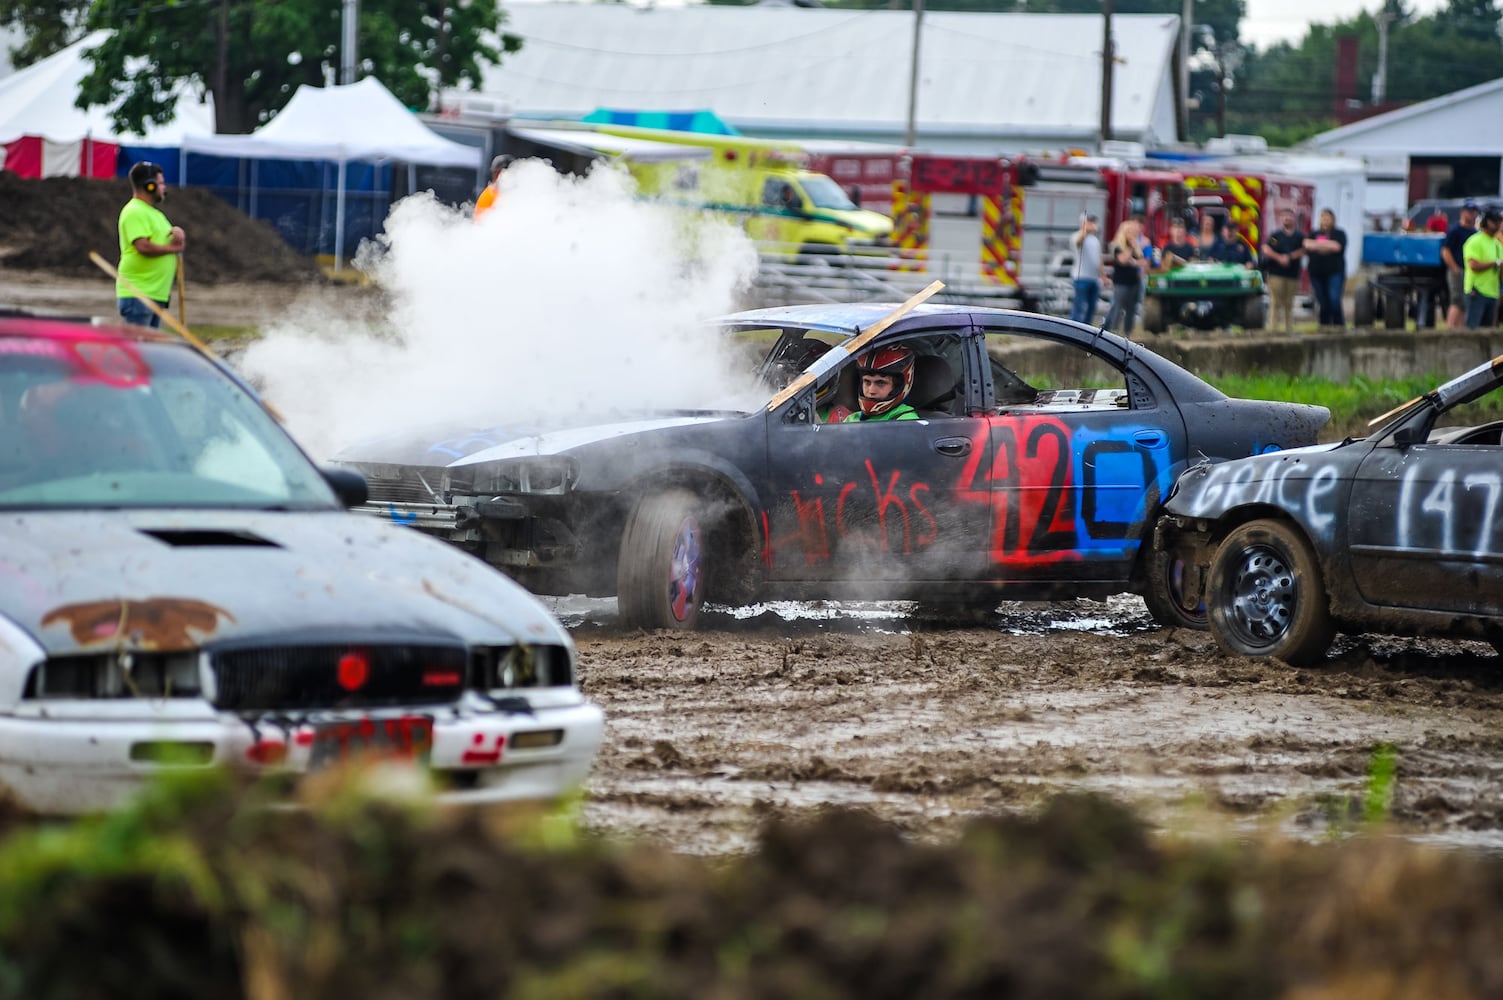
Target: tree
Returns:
[[45, 26], [252, 54]]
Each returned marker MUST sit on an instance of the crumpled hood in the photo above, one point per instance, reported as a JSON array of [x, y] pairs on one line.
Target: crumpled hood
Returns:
[[515, 440], [189, 578]]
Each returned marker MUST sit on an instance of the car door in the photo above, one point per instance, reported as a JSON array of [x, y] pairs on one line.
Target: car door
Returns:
[[879, 500], [1423, 526], [1079, 456]]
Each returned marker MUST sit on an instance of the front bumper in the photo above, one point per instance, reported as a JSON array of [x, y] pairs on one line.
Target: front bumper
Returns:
[[74, 757]]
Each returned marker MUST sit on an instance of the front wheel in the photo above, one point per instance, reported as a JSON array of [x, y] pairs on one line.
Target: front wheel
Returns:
[[1267, 596], [661, 572], [1153, 314]]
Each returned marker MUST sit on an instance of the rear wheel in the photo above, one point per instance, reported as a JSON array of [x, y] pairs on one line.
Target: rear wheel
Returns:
[[1267, 597], [1153, 314], [1254, 315], [1393, 310], [661, 575], [1363, 306], [1174, 592]]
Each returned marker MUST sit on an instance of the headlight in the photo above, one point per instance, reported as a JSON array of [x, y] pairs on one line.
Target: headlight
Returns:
[[530, 475]]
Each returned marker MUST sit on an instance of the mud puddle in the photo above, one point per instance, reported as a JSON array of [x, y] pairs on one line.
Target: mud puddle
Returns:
[[788, 708]]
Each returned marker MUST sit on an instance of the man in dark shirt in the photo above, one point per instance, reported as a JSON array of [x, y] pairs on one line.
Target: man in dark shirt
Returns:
[[1283, 256], [1450, 253], [1177, 250], [1236, 248]]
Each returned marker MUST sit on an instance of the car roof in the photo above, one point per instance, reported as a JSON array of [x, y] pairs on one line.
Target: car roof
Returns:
[[851, 318]]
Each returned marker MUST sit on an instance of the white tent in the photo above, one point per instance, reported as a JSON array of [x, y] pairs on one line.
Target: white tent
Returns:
[[36, 103], [358, 122]]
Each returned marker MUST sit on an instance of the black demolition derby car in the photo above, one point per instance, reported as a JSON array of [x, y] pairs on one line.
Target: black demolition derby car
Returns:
[[1397, 532], [1034, 472]]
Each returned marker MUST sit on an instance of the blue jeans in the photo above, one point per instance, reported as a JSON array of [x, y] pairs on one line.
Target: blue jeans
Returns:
[[1328, 289], [1481, 311], [133, 310], [1087, 292], [1124, 311]]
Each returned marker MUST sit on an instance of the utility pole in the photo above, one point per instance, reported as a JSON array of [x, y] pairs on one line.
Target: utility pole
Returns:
[[1380, 76], [349, 56], [910, 137], [1107, 59], [1186, 21]]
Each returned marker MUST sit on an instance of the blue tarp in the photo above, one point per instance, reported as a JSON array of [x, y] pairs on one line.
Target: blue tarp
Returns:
[[679, 121]]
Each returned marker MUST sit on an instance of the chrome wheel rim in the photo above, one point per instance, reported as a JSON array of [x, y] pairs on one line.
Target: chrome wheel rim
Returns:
[[1263, 596]]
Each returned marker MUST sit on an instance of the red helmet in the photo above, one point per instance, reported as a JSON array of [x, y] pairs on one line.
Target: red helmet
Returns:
[[896, 362]]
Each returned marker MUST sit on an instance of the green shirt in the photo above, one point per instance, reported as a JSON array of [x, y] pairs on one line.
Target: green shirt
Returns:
[[900, 412], [1480, 246], [153, 275]]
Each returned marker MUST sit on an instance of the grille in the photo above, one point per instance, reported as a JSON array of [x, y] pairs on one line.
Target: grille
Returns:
[[403, 485], [338, 676]]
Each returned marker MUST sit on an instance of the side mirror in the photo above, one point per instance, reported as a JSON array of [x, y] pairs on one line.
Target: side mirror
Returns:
[[348, 485]]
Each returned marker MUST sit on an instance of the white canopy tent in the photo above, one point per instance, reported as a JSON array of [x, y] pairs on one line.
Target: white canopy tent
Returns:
[[358, 122], [37, 102]]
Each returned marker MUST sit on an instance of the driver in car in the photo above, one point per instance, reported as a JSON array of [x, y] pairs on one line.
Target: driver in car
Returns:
[[886, 378]]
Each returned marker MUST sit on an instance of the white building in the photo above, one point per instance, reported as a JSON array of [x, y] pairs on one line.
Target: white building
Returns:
[[1449, 146], [986, 83]]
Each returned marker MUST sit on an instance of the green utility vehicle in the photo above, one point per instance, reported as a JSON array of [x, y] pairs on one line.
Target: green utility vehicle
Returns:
[[1205, 296]]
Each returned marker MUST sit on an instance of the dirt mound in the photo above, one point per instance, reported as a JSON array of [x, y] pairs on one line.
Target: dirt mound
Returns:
[[210, 894], [51, 224]]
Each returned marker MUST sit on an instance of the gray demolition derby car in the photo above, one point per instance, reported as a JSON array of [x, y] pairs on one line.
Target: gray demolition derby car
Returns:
[[1398, 532], [180, 587], [1009, 486]]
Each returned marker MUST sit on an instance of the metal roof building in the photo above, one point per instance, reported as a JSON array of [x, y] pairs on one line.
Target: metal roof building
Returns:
[[1448, 146], [988, 83]]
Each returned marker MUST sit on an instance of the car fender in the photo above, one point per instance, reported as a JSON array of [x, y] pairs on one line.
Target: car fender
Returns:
[[1302, 484]]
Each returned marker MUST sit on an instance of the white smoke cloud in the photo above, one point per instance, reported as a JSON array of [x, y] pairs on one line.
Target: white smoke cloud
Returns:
[[569, 297]]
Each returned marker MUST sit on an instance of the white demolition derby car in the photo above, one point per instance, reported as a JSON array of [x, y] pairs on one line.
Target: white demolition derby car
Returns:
[[181, 587]]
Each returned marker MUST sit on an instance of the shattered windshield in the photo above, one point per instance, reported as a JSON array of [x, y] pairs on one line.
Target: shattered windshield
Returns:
[[117, 423]]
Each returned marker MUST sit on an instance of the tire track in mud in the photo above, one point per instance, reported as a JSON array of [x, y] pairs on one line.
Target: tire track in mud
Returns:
[[710, 733]]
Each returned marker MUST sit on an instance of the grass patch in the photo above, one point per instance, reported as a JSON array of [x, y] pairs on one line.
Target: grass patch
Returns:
[[1352, 402]]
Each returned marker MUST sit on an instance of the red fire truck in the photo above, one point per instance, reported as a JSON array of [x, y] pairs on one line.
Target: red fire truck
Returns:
[[1252, 200], [1029, 208]]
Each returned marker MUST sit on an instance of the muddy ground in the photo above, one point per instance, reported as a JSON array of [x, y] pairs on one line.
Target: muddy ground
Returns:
[[783, 710]]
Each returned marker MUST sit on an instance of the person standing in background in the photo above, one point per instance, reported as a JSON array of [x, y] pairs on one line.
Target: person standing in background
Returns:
[[1450, 254], [487, 199], [1086, 274], [149, 245], [1283, 257], [1127, 274], [1325, 247], [1483, 255]]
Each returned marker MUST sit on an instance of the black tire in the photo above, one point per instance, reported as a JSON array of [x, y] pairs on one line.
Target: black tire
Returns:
[[1363, 307], [1165, 593], [1153, 314], [1267, 596], [662, 569], [1393, 311], [1254, 314]]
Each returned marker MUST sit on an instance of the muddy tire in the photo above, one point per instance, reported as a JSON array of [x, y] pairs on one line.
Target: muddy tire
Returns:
[[1165, 593], [661, 572], [1266, 595], [1153, 314]]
